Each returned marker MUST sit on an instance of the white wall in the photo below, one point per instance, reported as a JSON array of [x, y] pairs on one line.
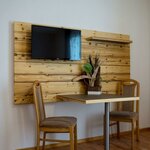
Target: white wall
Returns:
[[17, 125]]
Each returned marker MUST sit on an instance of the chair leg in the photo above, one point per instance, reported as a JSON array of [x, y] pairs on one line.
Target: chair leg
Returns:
[[38, 139], [132, 136], [72, 138], [75, 137], [118, 129], [137, 130], [44, 137]]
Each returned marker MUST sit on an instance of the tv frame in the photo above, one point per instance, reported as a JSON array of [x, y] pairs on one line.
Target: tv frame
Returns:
[[74, 43]]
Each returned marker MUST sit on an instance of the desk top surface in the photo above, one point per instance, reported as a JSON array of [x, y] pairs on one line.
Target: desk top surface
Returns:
[[91, 99]]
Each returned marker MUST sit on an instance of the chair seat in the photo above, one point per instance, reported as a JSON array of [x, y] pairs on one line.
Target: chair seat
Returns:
[[123, 114], [58, 122]]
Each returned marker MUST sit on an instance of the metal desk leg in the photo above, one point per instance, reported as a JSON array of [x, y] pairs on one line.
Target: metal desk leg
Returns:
[[106, 146]]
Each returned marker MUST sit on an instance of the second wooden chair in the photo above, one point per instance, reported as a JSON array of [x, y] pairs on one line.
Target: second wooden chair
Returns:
[[127, 111]]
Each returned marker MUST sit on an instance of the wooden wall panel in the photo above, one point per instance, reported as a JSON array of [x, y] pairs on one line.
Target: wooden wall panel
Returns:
[[46, 68], [56, 76]]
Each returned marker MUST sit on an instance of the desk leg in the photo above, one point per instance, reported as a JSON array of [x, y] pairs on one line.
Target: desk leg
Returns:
[[106, 146]]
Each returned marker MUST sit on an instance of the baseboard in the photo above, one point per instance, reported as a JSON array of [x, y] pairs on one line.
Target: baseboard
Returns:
[[90, 139], [65, 144]]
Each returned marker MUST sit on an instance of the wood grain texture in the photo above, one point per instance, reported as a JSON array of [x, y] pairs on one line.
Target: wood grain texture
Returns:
[[56, 76], [95, 38], [96, 143], [116, 144]]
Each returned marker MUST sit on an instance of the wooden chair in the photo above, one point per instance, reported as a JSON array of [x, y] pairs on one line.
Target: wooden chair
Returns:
[[62, 124], [127, 111]]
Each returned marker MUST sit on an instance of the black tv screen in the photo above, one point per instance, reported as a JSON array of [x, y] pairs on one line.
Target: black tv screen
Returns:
[[55, 43]]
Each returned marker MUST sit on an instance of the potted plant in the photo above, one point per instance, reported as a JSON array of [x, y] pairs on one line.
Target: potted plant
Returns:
[[91, 76]]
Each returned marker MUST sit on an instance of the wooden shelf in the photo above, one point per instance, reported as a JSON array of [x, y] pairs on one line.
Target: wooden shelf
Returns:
[[109, 40]]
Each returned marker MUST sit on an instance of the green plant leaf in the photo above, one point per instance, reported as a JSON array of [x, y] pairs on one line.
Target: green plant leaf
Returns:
[[88, 68]]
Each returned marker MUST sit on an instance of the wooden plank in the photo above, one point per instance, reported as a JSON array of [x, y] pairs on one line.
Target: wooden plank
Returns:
[[115, 69], [22, 56], [91, 33], [22, 47], [64, 78], [74, 69], [105, 52], [23, 37], [99, 45], [50, 87], [110, 40], [108, 60], [23, 99], [22, 27], [114, 77], [46, 68], [43, 78], [28, 99], [111, 86], [23, 91]]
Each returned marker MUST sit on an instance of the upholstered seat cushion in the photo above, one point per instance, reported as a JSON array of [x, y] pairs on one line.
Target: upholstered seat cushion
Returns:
[[123, 114], [58, 122]]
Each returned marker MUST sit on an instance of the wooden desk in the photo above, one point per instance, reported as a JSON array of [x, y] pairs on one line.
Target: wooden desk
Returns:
[[103, 98]]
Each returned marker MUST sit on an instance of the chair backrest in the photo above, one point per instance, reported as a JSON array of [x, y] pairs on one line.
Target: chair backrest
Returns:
[[38, 101], [129, 87]]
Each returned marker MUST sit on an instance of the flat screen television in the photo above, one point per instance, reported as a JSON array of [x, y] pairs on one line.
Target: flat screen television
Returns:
[[55, 43]]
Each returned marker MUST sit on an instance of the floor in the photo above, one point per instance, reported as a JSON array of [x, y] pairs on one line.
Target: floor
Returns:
[[115, 144]]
